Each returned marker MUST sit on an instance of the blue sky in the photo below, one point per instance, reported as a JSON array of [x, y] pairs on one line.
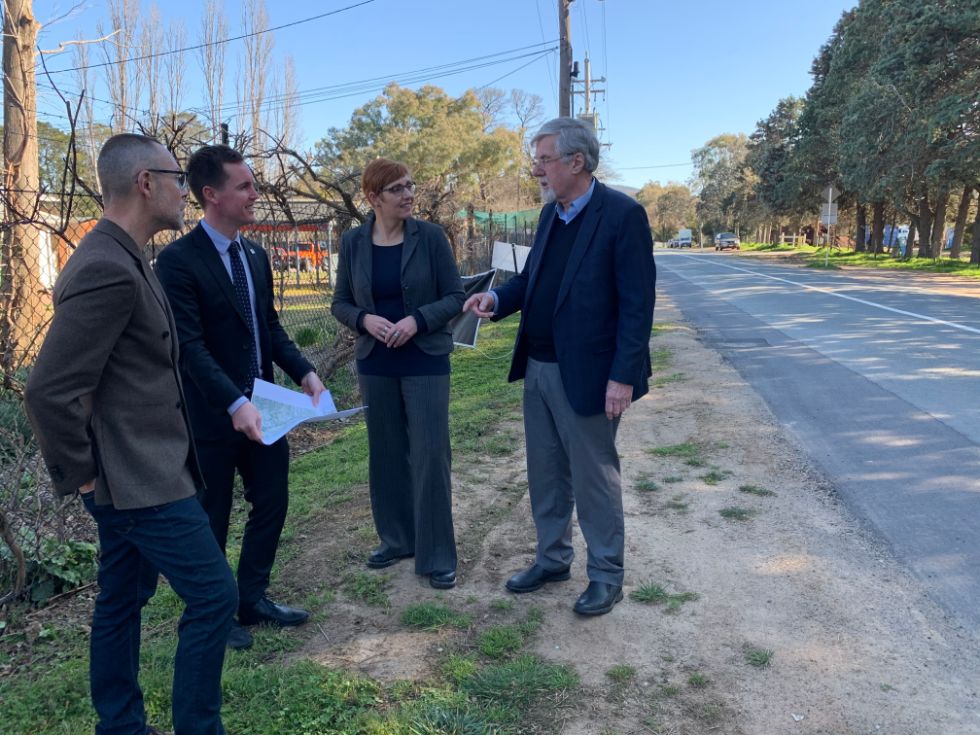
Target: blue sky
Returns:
[[677, 73]]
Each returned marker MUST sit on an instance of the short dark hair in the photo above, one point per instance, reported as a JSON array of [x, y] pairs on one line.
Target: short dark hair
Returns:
[[121, 158], [206, 167]]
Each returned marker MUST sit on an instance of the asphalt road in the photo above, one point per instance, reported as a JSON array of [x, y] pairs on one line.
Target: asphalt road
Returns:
[[878, 376]]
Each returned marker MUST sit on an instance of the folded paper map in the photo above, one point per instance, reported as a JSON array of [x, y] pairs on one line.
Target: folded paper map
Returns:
[[283, 409]]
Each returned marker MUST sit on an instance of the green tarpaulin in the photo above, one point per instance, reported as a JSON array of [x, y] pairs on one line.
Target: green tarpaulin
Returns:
[[519, 218]]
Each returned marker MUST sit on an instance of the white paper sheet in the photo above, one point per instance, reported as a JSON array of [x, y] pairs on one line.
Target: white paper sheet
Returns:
[[283, 409]]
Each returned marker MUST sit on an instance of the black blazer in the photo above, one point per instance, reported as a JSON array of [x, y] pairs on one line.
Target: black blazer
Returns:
[[213, 333], [430, 283], [604, 310]]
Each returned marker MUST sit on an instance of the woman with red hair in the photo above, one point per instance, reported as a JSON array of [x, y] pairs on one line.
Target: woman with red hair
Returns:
[[398, 287]]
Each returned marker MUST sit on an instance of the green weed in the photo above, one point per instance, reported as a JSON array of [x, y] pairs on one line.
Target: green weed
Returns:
[[735, 513], [432, 616], [368, 588], [755, 490], [758, 657]]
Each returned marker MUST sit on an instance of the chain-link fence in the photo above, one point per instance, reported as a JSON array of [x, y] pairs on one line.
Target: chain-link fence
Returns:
[[47, 543]]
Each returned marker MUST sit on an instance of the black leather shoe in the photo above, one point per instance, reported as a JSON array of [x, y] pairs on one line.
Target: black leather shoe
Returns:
[[443, 580], [380, 559], [239, 638], [267, 611], [535, 578], [598, 598]]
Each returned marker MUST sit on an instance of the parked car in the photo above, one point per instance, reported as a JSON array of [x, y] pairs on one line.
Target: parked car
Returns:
[[726, 240], [681, 240], [302, 255]]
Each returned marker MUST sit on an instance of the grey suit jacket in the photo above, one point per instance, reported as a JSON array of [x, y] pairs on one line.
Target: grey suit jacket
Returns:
[[104, 395], [430, 284]]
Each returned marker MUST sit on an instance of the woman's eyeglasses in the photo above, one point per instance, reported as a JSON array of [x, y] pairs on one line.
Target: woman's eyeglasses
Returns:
[[397, 189]]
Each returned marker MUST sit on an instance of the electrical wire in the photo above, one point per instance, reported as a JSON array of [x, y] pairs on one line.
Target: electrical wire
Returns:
[[212, 43]]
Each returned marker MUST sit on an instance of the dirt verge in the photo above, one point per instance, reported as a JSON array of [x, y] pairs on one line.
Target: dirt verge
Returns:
[[796, 619]]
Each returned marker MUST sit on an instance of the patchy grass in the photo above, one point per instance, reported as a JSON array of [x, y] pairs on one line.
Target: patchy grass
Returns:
[[500, 641], [517, 685], [621, 674], [713, 477], [736, 513], [503, 604], [645, 484], [367, 588], [660, 358], [662, 380], [755, 490], [677, 503], [432, 616], [687, 450], [655, 594], [758, 657], [698, 681]]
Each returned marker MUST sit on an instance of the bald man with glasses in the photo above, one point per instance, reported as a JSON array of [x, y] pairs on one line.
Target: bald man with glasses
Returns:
[[107, 405]]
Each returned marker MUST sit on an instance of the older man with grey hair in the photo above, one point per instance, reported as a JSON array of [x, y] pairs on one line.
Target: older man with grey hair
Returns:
[[586, 298], [107, 406]]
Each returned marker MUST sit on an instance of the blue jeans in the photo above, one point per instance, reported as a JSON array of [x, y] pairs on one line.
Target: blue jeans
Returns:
[[174, 539]]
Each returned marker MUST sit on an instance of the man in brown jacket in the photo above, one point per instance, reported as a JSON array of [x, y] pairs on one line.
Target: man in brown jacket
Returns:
[[107, 406]]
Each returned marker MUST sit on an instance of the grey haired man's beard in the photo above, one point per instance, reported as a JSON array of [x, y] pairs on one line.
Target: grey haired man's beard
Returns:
[[547, 195]]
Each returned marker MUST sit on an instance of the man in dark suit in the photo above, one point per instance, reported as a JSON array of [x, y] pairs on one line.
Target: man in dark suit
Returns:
[[586, 298], [220, 287], [108, 410]]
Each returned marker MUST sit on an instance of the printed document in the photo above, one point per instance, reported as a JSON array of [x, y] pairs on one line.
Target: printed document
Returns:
[[283, 410]]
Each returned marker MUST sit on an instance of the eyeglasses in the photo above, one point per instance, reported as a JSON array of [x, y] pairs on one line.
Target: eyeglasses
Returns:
[[399, 188], [545, 160], [181, 175]]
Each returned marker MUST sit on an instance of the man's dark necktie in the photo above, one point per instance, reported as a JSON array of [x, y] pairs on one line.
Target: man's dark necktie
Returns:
[[241, 291]]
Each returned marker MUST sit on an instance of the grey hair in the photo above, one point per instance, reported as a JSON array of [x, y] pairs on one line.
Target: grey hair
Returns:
[[121, 158], [574, 136]]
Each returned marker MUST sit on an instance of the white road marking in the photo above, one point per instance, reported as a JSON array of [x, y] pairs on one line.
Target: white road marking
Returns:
[[873, 304]]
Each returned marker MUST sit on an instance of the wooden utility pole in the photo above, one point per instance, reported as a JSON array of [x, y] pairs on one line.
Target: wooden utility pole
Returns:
[[564, 59], [23, 299]]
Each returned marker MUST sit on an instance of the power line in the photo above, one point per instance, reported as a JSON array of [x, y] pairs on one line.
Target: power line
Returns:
[[514, 71], [346, 89], [213, 43], [349, 89], [551, 72], [659, 165], [357, 88]]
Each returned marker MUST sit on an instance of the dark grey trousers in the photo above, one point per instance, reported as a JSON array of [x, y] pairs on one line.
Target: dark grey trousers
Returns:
[[572, 461], [409, 466]]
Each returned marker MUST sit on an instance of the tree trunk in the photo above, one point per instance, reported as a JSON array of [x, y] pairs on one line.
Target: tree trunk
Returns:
[[23, 298], [939, 224], [860, 244], [925, 226], [910, 242], [877, 226], [960, 226], [975, 243]]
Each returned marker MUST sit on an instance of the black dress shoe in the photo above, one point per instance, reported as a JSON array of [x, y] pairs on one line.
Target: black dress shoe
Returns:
[[239, 638], [267, 611], [535, 578], [598, 598], [380, 559], [443, 580]]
